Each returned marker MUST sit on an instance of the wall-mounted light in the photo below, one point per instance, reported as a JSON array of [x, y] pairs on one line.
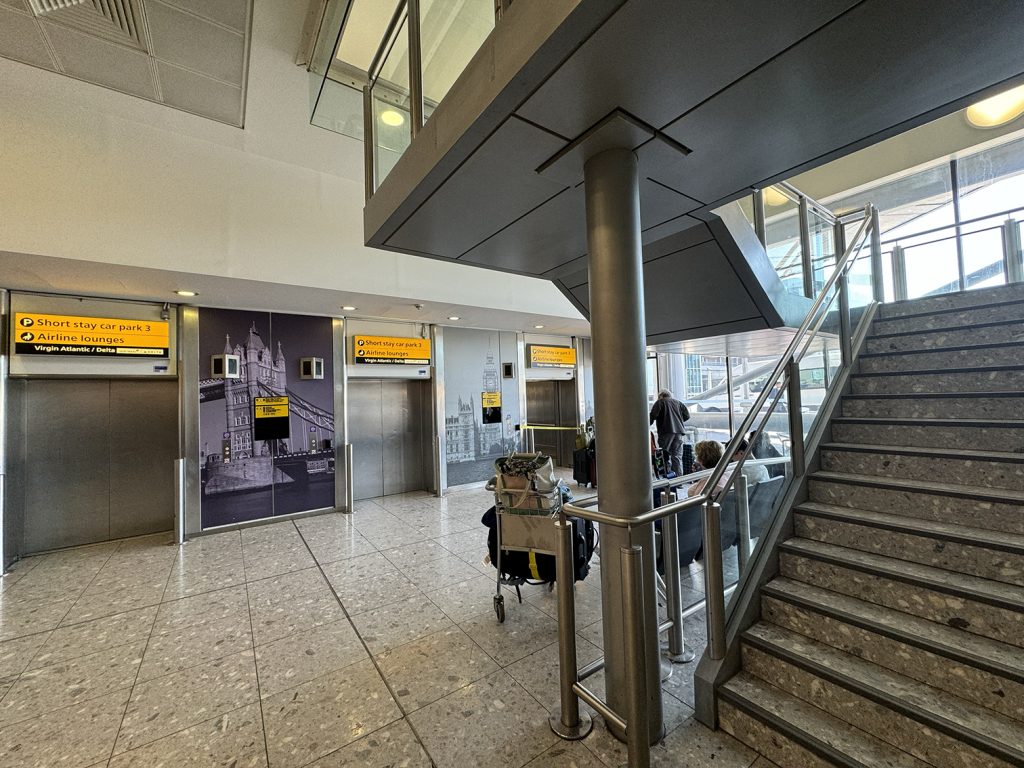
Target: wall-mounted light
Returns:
[[186, 293], [997, 110], [392, 118], [349, 308]]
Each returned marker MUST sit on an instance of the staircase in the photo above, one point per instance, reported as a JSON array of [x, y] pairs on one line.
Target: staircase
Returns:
[[894, 633]]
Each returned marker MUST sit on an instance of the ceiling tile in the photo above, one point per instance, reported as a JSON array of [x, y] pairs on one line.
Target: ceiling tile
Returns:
[[201, 95], [97, 61], [188, 41], [231, 13], [21, 40]]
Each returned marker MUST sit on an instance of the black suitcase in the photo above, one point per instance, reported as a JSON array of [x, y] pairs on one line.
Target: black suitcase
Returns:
[[581, 466]]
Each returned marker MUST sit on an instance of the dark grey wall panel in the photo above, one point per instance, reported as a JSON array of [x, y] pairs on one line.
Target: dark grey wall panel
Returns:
[[498, 183], [549, 237], [143, 447], [658, 58], [67, 463], [877, 66]]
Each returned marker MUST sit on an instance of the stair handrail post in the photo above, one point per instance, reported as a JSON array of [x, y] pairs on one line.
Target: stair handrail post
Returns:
[[796, 419], [638, 741], [1012, 251], [760, 226], [806, 262], [714, 583], [742, 519], [877, 284], [678, 653], [899, 273], [845, 321]]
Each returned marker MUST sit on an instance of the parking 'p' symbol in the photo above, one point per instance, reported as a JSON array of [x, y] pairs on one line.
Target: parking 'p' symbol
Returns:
[[27, 322]]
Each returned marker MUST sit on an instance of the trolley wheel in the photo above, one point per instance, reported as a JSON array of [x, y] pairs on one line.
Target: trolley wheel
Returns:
[[499, 609]]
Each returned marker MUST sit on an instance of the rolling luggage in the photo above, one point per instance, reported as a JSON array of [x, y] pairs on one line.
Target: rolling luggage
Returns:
[[581, 466]]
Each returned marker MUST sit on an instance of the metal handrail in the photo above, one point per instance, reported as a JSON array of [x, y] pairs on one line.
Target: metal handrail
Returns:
[[961, 224], [842, 266]]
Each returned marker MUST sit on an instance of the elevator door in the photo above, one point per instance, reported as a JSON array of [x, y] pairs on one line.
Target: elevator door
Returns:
[[99, 460], [389, 427], [553, 403]]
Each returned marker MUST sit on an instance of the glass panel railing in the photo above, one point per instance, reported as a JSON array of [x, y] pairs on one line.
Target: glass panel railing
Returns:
[[822, 241], [451, 32], [389, 92], [782, 238], [932, 267], [859, 279], [983, 258]]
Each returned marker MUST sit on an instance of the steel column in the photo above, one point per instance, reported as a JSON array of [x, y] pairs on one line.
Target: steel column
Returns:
[[955, 183], [677, 650], [1011, 252], [620, 395], [760, 226], [796, 419], [743, 520], [415, 67], [899, 273], [877, 284], [342, 468], [805, 248], [437, 384], [188, 417], [729, 385], [7, 549], [369, 145], [567, 721]]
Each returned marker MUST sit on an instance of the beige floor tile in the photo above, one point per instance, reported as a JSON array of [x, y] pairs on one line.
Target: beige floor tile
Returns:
[[439, 573], [568, 754], [400, 623], [305, 656], [231, 740], [291, 603], [128, 598], [197, 644], [538, 672], [347, 573], [427, 669], [693, 744], [176, 615], [80, 735], [15, 655], [493, 722], [314, 719], [92, 636], [466, 599], [393, 746], [613, 752], [263, 563], [524, 631], [196, 579], [417, 552], [172, 703], [375, 591], [66, 683], [20, 619]]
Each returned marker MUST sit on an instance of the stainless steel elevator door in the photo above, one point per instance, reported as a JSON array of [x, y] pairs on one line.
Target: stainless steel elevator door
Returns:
[[389, 440], [99, 460]]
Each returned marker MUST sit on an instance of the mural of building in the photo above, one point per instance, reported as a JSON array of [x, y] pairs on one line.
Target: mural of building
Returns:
[[261, 376], [462, 433], [490, 434]]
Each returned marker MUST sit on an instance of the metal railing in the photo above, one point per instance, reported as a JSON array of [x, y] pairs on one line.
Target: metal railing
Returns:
[[568, 722]]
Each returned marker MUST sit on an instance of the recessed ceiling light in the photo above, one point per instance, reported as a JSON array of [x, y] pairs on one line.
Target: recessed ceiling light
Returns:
[[997, 110], [774, 198], [392, 118], [538, 326], [186, 293], [349, 308], [454, 317]]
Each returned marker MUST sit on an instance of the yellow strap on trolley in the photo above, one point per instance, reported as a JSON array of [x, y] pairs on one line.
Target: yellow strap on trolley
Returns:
[[533, 565]]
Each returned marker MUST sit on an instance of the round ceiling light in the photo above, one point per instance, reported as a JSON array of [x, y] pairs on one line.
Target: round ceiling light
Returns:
[[349, 308], [538, 327], [186, 293], [997, 110], [454, 317], [392, 118], [774, 198]]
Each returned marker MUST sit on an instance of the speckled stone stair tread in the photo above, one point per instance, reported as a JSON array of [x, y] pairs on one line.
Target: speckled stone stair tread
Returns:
[[991, 495], [952, 301], [978, 334], [1004, 737], [1001, 354], [985, 671], [978, 434], [926, 319], [949, 405], [808, 725], [963, 585], [940, 381]]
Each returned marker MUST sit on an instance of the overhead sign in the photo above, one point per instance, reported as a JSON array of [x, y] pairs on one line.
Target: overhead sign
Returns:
[[551, 357], [44, 334], [270, 418], [394, 350]]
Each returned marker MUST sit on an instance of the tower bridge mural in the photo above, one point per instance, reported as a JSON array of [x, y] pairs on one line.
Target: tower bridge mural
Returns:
[[244, 478]]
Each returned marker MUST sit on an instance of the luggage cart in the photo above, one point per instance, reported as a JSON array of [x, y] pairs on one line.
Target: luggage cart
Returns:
[[525, 523]]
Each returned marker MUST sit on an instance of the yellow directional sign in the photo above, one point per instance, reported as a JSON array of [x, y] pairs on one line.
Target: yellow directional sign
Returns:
[[490, 399], [270, 407], [37, 333], [395, 350], [551, 357]]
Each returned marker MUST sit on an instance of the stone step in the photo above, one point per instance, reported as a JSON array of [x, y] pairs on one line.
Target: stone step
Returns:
[[953, 318], [795, 734], [978, 334], [969, 603], [990, 469], [1006, 354], [943, 730], [954, 405], [975, 551], [981, 434], [996, 379], [990, 509], [948, 302], [986, 672]]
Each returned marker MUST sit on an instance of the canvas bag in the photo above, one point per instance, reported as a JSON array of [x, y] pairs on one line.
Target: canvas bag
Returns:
[[526, 481]]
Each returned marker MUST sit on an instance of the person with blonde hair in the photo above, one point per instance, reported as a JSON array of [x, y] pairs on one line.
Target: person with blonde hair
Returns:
[[709, 453]]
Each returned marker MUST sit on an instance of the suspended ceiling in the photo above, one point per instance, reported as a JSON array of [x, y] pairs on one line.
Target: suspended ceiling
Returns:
[[187, 54]]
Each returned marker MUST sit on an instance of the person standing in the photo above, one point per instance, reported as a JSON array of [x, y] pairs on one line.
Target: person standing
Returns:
[[668, 414]]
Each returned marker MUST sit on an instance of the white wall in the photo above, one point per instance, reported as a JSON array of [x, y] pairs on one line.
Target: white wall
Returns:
[[87, 173]]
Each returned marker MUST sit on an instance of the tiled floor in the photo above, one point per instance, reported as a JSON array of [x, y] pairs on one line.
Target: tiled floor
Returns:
[[363, 640]]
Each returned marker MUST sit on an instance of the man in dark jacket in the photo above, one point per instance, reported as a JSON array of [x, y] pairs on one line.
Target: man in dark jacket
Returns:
[[669, 415]]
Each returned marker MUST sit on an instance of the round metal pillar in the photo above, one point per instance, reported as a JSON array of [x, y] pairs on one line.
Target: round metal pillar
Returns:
[[620, 399]]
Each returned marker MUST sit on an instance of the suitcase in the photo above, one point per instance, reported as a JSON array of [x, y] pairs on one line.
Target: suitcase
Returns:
[[581, 466]]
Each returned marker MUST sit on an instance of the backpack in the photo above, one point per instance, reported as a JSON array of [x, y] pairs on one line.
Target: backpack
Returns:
[[536, 567]]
